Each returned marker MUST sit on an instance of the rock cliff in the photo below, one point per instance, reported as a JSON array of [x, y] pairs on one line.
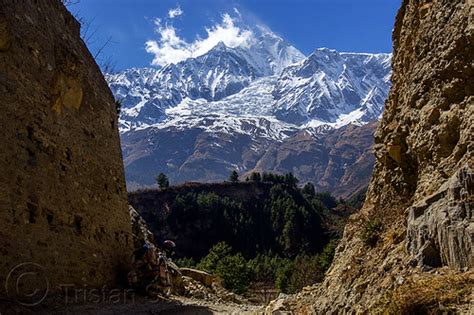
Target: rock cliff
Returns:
[[418, 210], [62, 191]]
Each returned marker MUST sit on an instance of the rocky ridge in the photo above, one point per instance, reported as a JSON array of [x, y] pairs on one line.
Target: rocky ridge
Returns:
[[338, 160]]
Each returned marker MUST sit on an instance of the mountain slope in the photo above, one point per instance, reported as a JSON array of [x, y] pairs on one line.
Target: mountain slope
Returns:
[[339, 160], [223, 71], [329, 85]]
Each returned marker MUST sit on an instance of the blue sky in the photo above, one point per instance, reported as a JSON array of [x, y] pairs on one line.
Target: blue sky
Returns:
[[344, 25]]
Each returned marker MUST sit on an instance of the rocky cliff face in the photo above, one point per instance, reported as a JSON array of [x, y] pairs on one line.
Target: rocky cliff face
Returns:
[[62, 190], [420, 199]]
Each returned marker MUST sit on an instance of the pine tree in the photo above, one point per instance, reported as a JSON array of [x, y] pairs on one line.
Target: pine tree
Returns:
[[291, 180], [162, 181], [255, 177], [309, 190], [234, 176]]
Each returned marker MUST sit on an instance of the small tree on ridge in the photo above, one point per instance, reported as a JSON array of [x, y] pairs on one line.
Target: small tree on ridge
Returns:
[[234, 176], [162, 181]]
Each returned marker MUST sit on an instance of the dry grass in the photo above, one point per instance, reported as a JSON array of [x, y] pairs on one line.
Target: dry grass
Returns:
[[434, 295]]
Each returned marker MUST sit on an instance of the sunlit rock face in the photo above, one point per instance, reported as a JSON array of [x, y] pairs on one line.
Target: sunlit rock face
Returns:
[[421, 191]]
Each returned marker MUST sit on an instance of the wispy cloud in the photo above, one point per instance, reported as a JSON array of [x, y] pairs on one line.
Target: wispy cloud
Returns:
[[171, 48], [172, 13]]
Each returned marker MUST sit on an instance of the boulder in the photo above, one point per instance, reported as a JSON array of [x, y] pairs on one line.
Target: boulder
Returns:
[[201, 276]]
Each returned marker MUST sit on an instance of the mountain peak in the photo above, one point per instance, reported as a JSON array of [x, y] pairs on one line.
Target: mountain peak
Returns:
[[220, 46]]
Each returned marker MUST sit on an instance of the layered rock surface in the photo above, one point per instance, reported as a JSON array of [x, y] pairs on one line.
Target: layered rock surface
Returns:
[[62, 190], [422, 179], [440, 228]]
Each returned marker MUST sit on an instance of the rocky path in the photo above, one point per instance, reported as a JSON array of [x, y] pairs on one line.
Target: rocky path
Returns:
[[140, 305]]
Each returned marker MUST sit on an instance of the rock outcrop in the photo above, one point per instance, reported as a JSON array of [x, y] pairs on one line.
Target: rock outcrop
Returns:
[[62, 191], [140, 231], [421, 192], [440, 228]]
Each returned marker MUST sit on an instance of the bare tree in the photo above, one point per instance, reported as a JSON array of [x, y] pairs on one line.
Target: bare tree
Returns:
[[70, 2], [89, 35]]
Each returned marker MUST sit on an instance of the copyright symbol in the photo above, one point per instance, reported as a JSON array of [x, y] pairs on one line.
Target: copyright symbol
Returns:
[[27, 284]]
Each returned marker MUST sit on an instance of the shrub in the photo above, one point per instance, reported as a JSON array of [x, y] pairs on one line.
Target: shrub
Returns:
[[309, 190], [234, 273], [327, 200], [437, 295], [305, 270], [216, 254], [269, 270], [232, 269], [283, 275], [327, 255], [255, 177], [371, 232], [265, 268]]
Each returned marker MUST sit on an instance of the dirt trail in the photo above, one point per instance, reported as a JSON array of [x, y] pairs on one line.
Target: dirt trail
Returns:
[[140, 305]]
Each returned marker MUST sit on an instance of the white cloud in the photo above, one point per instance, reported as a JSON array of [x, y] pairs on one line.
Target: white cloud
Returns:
[[170, 48], [236, 11], [172, 13]]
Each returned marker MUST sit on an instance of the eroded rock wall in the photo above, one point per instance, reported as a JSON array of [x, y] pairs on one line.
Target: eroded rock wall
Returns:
[[422, 179], [440, 229], [62, 193]]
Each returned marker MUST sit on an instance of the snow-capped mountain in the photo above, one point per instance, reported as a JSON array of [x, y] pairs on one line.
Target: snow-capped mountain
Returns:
[[204, 116], [333, 88], [146, 93]]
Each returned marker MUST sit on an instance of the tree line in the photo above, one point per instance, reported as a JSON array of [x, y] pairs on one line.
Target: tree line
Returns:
[[265, 270], [274, 239], [284, 220]]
